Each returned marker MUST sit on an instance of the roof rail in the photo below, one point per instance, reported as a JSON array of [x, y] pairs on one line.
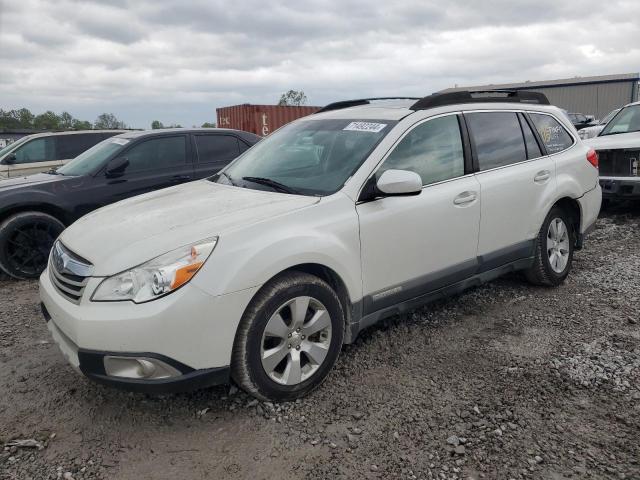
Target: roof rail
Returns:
[[363, 101], [480, 96]]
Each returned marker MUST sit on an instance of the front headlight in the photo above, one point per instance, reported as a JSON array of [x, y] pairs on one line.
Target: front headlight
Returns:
[[157, 277]]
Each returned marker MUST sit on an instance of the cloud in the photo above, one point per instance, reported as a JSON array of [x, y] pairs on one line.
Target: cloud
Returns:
[[177, 61]]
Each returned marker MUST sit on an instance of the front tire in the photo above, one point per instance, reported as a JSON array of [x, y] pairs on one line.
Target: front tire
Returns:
[[26, 239], [289, 338], [553, 250]]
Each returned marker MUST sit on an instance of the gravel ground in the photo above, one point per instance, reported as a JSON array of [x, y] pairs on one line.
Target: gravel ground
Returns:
[[505, 381]]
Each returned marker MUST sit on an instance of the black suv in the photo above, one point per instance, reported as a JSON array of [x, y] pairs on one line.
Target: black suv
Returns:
[[35, 210]]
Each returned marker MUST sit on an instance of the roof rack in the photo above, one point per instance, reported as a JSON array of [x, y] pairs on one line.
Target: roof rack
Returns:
[[480, 96], [363, 101]]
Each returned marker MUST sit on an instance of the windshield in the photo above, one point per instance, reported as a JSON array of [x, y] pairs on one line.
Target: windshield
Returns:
[[89, 161], [609, 116], [313, 157], [13, 145], [627, 120]]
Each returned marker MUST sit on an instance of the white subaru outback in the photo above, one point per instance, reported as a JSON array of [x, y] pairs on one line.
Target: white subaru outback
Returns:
[[361, 211]]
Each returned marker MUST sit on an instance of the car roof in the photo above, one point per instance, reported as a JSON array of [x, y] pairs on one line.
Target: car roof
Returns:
[[398, 109], [164, 131], [72, 132]]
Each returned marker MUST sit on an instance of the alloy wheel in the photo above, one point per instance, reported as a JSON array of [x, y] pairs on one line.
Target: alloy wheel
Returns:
[[558, 245], [296, 340], [29, 245]]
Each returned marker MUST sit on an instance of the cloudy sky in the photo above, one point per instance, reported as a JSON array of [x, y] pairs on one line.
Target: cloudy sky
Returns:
[[176, 61]]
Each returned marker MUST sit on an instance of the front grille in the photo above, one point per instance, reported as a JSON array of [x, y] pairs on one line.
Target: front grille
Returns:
[[69, 272], [619, 163]]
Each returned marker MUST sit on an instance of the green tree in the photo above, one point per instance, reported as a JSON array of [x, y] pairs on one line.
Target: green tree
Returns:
[[47, 121], [209, 125], [24, 118], [293, 98], [108, 121], [66, 120], [81, 124], [156, 124]]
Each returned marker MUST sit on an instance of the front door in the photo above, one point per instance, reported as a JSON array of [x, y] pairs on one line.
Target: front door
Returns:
[[414, 245], [34, 156], [154, 163]]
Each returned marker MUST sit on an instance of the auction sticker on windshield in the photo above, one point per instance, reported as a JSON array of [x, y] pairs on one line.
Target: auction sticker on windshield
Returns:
[[365, 127], [120, 141]]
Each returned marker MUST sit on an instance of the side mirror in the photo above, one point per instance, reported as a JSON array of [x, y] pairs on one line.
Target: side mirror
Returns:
[[10, 159], [399, 182], [116, 167]]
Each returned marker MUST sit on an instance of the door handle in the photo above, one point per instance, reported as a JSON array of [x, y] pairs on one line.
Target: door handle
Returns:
[[542, 176], [465, 198]]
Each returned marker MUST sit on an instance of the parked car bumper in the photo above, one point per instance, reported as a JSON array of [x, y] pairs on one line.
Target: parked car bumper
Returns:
[[620, 187], [179, 342]]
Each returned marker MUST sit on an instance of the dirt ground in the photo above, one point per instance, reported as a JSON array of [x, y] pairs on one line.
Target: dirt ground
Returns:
[[505, 381]]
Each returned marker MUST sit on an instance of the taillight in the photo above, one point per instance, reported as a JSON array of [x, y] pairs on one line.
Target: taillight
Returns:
[[592, 157]]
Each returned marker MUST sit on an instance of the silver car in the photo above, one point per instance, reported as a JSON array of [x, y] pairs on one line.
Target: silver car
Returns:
[[42, 152]]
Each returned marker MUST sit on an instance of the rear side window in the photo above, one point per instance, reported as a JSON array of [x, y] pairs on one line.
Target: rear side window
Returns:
[[433, 150], [243, 146], [157, 153], [533, 149], [216, 148], [497, 138], [37, 150], [70, 146], [553, 135]]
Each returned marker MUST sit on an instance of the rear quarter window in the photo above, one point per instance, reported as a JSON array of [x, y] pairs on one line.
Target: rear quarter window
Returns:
[[554, 136]]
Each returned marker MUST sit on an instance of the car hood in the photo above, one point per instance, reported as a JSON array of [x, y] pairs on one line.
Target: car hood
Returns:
[[620, 140], [130, 232], [38, 178]]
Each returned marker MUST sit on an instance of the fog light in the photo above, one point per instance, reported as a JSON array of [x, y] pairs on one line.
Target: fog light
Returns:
[[138, 367]]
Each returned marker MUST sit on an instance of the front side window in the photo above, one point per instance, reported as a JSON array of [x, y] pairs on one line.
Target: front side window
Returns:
[[626, 121], [433, 150], [37, 150], [216, 148], [553, 135], [157, 153], [497, 138], [310, 157]]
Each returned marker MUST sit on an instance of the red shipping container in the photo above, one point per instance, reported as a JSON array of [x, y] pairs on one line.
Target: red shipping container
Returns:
[[260, 119]]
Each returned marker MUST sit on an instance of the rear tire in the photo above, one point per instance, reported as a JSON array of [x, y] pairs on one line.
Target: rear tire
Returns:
[[26, 239], [289, 338], [553, 250]]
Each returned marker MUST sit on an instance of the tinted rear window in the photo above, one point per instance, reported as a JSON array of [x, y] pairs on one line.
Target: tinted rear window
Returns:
[[70, 146], [215, 148], [553, 135], [497, 138], [533, 149]]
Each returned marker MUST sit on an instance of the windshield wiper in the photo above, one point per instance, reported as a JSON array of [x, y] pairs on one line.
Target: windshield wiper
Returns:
[[53, 171], [273, 184], [619, 133]]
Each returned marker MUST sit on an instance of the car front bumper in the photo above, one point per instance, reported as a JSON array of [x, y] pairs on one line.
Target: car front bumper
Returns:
[[620, 187], [187, 336]]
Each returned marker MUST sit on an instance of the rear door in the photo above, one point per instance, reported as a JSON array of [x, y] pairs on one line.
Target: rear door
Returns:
[[517, 182], [154, 163], [213, 151]]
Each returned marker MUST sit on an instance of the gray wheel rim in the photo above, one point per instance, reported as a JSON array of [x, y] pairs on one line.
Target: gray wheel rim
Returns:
[[296, 340], [558, 245]]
